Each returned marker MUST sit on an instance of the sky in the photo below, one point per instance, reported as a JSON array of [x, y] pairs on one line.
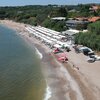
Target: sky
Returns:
[[44, 2]]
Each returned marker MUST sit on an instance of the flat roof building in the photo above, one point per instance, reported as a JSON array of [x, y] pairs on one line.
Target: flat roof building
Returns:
[[59, 18], [73, 24]]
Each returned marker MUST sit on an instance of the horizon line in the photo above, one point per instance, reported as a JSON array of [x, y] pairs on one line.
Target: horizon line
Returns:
[[47, 5]]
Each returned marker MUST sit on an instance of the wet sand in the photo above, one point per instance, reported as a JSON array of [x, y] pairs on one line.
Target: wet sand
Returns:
[[66, 82]]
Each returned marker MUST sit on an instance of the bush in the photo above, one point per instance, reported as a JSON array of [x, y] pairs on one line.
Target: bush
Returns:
[[88, 39], [55, 25], [95, 28]]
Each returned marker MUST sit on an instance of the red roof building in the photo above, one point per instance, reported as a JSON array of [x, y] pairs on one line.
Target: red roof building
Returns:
[[95, 8], [94, 19]]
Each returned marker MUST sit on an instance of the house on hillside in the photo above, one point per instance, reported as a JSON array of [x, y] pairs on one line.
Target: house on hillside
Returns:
[[72, 10], [94, 19], [81, 18], [94, 8], [59, 18]]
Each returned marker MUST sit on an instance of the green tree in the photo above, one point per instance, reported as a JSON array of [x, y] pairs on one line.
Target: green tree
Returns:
[[62, 11], [94, 28]]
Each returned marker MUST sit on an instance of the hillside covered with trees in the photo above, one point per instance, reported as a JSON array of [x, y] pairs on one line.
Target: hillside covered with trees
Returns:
[[41, 15], [91, 38], [36, 15]]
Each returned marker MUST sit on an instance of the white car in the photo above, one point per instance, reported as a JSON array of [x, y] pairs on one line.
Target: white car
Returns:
[[91, 60], [97, 57]]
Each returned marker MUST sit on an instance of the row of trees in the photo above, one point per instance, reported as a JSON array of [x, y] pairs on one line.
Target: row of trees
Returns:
[[55, 25], [91, 38]]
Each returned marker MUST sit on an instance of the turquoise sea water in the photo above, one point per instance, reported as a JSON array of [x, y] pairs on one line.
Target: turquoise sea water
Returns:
[[20, 70]]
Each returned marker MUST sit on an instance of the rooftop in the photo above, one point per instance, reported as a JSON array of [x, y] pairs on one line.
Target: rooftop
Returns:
[[94, 19], [59, 18], [95, 8], [76, 22], [70, 32]]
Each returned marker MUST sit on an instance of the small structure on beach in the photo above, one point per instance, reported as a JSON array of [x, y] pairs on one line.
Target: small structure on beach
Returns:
[[70, 34]]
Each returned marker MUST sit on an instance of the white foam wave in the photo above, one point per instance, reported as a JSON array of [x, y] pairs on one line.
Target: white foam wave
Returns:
[[48, 90], [48, 93], [38, 53]]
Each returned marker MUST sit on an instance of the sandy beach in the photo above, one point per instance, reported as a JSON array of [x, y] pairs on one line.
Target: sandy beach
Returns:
[[65, 81]]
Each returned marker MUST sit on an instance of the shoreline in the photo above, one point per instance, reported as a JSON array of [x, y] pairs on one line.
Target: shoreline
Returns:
[[19, 32], [55, 72], [48, 92]]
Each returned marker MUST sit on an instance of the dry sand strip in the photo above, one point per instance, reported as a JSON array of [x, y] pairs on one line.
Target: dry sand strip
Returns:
[[65, 82], [89, 72]]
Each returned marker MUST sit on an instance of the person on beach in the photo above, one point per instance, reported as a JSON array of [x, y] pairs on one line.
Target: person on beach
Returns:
[[75, 67]]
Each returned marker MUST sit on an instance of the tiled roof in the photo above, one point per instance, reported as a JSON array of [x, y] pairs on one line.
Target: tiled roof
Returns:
[[95, 8], [94, 19]]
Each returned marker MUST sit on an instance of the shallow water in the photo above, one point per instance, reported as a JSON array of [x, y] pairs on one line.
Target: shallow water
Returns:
[[20, 69]]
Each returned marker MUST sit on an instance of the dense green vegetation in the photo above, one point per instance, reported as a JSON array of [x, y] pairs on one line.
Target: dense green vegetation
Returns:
[[26, 14], [55, 25], [41, 15], [91, 38], [36, 15], [83, 11]]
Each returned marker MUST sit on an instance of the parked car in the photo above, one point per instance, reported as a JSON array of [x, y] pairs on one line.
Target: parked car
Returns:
[[91, 53], [96, 57], [86, 51], [91, 60]]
